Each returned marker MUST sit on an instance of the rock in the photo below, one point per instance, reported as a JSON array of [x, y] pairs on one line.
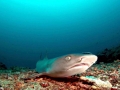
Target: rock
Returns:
[[2, 66], [109, 55]]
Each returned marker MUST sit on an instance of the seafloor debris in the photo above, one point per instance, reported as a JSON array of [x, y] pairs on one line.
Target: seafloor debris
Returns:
[[99, 77], [109, 55]]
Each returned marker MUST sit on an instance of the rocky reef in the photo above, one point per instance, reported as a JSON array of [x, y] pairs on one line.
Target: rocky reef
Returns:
[[2, 66], [109, 55], [103, 76]]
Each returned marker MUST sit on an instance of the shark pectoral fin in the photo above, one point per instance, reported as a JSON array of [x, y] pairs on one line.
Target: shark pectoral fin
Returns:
[[33, 76]]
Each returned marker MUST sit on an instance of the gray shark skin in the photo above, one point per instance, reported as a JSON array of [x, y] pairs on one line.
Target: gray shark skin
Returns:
[[66, 65]]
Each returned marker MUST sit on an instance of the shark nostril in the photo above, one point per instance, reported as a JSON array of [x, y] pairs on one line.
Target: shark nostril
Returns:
[[80, 59]]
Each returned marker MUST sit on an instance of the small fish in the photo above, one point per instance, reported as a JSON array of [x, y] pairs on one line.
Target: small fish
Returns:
[[66, 65]]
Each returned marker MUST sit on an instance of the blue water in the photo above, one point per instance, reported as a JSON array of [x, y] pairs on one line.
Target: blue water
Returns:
[[31, 27]]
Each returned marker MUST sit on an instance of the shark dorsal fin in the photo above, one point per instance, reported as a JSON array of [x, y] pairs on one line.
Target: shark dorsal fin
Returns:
[[40, 56], [43, 58], [46, 58]]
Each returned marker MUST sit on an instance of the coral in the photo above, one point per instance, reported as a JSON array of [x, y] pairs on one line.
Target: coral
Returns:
[[109, 55], [2, 66]]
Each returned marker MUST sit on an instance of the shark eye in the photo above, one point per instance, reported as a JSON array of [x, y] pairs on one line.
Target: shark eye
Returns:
[[68, 58], [81, 59]]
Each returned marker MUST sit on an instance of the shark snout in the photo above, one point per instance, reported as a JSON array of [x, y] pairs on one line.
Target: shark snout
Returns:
[[91, 59], [88, 59]]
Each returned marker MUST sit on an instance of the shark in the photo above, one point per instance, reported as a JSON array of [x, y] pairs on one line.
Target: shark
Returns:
[[65, 66]]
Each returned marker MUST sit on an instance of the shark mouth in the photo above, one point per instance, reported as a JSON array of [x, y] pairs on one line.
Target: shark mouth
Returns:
[[80, 65]]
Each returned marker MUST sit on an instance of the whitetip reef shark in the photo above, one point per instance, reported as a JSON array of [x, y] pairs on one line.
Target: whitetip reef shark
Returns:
[[65, 66]]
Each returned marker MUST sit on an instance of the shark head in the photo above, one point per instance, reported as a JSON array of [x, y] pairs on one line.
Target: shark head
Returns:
[[72, 64]]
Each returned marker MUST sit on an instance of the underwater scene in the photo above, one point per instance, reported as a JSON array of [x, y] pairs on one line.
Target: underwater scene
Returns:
[[59, 44]]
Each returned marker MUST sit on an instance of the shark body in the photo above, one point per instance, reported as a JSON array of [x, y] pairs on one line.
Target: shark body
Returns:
[[66, 65]]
